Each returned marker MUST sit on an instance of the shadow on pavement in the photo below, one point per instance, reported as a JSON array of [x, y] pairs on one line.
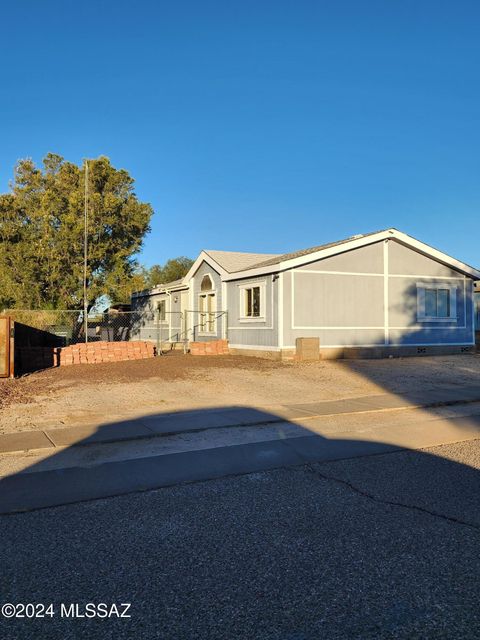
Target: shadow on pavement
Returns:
[[57, 481], [333, 540]]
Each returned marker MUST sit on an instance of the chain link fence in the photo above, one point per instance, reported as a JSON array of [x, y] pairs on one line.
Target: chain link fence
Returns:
[[167, 329], [70, 325]]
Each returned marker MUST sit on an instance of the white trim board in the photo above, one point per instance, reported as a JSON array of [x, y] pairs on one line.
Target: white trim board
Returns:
[[409, 328], [205, 257], [402, 344], [257, 347], [279, 309], [371, 274], [386, 307], [356, 243], [378, 345]]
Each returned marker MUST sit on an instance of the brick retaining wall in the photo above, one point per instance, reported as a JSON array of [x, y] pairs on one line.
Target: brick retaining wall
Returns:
[[94, 352], [34, 358], [212, 348]]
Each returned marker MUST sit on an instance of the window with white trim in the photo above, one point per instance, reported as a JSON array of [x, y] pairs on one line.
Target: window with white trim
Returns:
[[207, 306], [436, 302], [207, 283], [162, 310], [252, 301]]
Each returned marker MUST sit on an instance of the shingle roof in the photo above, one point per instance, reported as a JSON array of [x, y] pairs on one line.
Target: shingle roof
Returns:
[[233, 261], [172, 284], [303, 252], [159, 288]]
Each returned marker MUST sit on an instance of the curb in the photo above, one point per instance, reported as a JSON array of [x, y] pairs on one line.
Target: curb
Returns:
[[42, 436]]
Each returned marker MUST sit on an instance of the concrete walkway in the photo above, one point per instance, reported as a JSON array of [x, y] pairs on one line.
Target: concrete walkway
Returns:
[[204, 419], [299, 434]]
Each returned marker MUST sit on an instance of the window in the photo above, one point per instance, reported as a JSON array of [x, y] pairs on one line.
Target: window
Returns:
[[162, 310], [436, 302], [252, 301], [207, 313], [206, 284]]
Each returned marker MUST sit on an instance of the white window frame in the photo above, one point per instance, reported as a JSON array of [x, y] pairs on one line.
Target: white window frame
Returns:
[[159, 302], [422, 287], [204, 294], [211, 280], [242, 293], [213, 296]]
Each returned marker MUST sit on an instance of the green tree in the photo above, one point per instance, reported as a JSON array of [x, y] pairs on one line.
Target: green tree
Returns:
[[173, 269], [42, 231]]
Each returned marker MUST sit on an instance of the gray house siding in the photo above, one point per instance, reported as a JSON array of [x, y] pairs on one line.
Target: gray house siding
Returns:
[[245, 332], [368, 297], [147, 326], [334, 300], [403, 260], [174, 316], [194, 320], [406, 270]]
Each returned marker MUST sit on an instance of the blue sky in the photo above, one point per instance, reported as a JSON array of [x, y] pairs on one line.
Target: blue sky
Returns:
[[257, 125]]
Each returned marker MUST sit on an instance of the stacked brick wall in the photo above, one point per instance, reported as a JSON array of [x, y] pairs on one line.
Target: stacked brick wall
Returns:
[[213, 348], [95, 352], [35, 358]]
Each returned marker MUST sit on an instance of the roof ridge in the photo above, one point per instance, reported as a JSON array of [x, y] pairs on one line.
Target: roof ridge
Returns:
[[301, 252]]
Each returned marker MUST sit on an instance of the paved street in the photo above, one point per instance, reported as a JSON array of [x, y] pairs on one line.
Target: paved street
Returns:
[[384, 546]]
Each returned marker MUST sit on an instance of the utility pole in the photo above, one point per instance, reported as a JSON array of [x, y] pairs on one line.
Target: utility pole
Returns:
[[85, 255]]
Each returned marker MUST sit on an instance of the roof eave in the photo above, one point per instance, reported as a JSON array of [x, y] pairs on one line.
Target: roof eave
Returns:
[[205, 257], [356, 243]]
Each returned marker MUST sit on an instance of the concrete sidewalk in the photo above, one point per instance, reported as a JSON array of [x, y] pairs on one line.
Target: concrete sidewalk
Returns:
[[36, 488], [204, 419]]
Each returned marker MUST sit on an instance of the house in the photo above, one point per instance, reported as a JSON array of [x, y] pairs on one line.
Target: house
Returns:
[[476, 299], [377, 294]]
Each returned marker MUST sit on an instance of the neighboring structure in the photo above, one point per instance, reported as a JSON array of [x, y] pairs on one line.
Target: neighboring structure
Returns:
[[476, 298], [370, 295]]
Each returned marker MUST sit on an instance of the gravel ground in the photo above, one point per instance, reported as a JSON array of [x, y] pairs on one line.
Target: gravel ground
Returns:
[[95, 393], [287, 555]]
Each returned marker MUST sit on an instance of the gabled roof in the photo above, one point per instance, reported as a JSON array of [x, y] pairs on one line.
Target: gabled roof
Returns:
[[277, 259], [233, 261], [297, 258], [227, 262], [234, 265]]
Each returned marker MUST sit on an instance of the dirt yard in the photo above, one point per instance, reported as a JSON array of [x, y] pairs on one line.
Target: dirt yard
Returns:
[[84, 394]]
